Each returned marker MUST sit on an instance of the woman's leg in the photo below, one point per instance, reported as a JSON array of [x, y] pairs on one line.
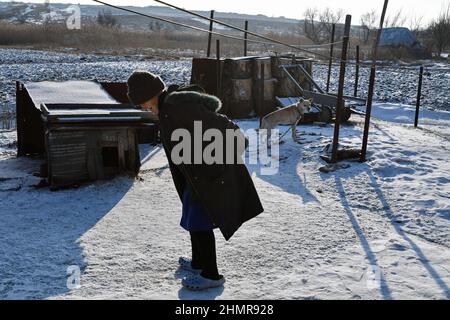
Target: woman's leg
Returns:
[[206, 243], [196, 255]]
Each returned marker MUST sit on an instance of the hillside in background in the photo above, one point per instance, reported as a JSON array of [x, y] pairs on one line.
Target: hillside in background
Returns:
[[38, 13]]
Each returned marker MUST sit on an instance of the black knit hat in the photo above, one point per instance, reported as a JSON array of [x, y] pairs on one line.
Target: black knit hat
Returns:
[[143, 86]]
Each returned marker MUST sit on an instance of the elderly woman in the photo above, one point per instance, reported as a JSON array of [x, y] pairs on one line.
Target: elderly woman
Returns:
[[219, 195]]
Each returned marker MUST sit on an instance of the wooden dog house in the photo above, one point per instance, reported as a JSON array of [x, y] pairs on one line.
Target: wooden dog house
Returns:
[[84, 131]]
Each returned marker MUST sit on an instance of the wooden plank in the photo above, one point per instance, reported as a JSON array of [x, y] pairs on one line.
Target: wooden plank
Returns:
[[67, 157]]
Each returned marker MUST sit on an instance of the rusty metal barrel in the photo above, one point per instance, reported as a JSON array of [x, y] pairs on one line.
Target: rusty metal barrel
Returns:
[[264, 101], [238, 95]]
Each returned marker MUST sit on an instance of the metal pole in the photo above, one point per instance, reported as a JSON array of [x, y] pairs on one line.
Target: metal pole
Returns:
[[355, 94], [330, 64], [380, 29], [246, 37], [372, 84], [419, 95], [219, 76], [211, 22], [368, 112], [340, 98]]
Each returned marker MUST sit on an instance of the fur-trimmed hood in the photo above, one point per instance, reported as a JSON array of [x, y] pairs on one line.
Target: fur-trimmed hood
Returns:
[[212, 103]]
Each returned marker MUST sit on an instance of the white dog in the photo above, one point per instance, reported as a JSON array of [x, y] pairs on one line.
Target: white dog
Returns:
[[291, 115]]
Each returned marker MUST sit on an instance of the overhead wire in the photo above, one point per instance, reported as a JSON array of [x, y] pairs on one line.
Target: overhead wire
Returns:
[[273, 41], [269, 41]]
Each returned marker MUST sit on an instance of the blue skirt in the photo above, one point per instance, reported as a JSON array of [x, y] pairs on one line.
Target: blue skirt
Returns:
[[194, 217]]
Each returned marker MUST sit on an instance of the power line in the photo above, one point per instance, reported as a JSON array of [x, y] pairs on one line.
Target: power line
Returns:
[[231, 26], [272, 41], [211, 32]]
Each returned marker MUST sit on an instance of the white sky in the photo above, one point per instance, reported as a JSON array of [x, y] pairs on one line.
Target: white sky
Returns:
[[291, 8]]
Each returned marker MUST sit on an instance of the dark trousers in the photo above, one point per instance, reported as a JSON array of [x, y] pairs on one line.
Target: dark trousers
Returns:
[[204, 253]]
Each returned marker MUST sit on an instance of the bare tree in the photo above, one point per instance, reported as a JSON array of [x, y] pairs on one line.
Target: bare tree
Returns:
[[396, 20], [312, 27], [329, 17], [318, 24], [440, 30], [368, 24], [106, 19], [155, 26], [415, 24]]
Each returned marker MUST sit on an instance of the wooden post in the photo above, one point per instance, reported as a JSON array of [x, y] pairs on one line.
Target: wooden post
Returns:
[[219, 75], [355, 94], [419, 95], [330, 64], [246, 37], [340, 97], [211, 23], [368, 112]]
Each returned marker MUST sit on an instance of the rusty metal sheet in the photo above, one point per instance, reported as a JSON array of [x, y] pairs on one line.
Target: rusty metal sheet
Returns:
[[242, 89], [258, 63]]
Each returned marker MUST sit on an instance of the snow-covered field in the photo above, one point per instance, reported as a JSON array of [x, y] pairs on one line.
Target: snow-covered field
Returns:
[[322, 236], [392, 86], [396, 83], [378, 230]]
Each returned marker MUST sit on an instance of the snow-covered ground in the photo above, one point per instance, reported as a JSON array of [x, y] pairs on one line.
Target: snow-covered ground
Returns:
[[435, 121], [392, 86], [322, 236], [396, 83]]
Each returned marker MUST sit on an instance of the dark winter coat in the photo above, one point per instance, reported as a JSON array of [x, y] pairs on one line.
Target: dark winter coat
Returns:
[[226, 191]]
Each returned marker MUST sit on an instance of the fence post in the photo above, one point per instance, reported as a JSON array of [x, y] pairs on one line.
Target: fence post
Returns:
[[330, 64], [219, 75], [355, 94], [19, 119], [340, 96], [261, 90], [368, 113], [371, 85], [246, 37], [419, 95], [380, 30], [211, 23]]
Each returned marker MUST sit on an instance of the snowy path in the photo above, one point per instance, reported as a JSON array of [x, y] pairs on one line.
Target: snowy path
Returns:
[[322, 236]]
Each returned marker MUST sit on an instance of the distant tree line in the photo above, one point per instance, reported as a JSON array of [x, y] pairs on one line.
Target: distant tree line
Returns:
[[106, 19], [317, 26]]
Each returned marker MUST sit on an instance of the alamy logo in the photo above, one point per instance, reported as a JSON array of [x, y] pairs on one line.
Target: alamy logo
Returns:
[[73, 22], [213, 146], [373, 277], [71, 14], [74, 277]]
